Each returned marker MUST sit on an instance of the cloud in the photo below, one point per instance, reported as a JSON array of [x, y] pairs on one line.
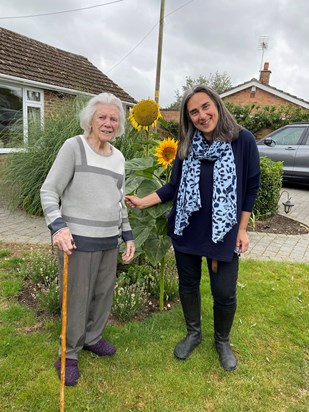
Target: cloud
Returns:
[[200, 38]]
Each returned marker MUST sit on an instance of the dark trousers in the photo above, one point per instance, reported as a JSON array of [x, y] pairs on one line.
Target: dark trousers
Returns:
[[222, 283]]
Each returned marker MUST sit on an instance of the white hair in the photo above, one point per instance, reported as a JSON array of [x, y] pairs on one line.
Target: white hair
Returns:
[[88, 111]]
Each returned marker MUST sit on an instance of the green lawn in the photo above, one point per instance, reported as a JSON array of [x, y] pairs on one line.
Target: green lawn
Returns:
[[270, 339]]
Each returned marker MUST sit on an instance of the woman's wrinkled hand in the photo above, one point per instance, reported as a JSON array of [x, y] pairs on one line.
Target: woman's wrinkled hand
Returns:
[[64, 241], [130, 250]]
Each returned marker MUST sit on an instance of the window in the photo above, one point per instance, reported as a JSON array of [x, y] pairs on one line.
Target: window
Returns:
[[33, 111], [34, 118], [20, 109], [33, 96], [11, 116], [288, 136]]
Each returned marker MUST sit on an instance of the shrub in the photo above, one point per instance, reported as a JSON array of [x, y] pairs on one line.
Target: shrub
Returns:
[[128, 299], [256, 118], [266, 204], [141, 275], [148, 278], [48, 299], [168, 128], [40, 269]]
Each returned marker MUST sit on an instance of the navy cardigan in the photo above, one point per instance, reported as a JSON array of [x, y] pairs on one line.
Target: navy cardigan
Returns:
[[196, 237]]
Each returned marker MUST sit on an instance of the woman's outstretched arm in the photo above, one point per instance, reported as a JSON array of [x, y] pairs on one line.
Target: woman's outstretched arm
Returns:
[[144, 202]]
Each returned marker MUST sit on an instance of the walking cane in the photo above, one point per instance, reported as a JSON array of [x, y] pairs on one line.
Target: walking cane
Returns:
[[64, 327]]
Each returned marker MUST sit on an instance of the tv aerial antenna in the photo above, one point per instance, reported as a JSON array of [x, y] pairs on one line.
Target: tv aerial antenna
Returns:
[[263, 45]]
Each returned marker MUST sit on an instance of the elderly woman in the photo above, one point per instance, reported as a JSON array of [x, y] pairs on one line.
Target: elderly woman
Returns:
[[87, 181], [214, 184]]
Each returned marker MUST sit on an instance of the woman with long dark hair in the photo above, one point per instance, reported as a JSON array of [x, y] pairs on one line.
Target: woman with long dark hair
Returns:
[[214, 183]]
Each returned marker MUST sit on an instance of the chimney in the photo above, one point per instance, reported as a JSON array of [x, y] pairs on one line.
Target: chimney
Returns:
[[265, 74]]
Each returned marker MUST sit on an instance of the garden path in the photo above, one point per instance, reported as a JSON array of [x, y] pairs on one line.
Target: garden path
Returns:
[[19, 227]]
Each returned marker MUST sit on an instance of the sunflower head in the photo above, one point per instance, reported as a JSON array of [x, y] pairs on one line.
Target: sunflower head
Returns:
[[144, 114], [166, 152]]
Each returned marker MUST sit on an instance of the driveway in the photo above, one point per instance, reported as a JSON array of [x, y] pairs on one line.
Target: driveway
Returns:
[[18, 226]]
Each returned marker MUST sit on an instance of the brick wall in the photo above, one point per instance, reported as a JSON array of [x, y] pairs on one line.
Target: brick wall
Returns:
[[260, 97], [51, 98], [170, 115]]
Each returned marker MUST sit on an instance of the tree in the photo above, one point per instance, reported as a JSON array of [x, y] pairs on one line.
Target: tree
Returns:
[[220, 82]]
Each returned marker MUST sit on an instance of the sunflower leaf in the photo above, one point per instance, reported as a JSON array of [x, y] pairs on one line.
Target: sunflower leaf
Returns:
[[156, 248], [139, 164]]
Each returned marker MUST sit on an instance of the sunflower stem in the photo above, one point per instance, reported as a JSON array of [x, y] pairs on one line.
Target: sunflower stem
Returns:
[[158, 179], [162, 271], [168, 174], [147, 142]]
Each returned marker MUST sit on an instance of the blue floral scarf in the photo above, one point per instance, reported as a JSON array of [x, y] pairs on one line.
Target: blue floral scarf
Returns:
[[224, 201]]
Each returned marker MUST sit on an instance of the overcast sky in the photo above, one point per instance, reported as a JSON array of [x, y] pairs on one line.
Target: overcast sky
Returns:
[[200, 38]]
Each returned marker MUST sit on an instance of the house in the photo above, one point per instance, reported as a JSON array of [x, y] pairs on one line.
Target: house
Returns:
[[254, 91], [33, 75], [259, 92]]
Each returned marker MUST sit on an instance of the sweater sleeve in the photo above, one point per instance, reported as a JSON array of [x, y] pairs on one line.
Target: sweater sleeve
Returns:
[[253, 175], [126, 230], [54, 185]]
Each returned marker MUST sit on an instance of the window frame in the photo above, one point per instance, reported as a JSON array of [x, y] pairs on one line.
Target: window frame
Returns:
[[31, 103], [26, 103]]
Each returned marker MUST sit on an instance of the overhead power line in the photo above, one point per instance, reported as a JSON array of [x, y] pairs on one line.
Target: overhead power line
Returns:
[[145, 36], [60, 12], [101, 5], [132, 50], [178, 8]]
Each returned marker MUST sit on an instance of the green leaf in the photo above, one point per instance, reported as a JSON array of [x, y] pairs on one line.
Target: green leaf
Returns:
[[141, 234], [146, 187], [159, 210], [156, 248], [141, 163], [132, 183], [147, 173], [161, 225]]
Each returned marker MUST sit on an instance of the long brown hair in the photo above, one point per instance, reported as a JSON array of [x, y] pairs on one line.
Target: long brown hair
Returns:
[[226, 130]]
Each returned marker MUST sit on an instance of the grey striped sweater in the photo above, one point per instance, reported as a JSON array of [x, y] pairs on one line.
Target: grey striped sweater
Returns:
[[90, 189]]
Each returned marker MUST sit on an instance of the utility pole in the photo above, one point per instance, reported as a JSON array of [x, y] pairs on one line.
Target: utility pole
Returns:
[[157, 89]]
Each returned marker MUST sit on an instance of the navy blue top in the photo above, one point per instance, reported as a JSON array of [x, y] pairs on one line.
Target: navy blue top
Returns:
[[196, 237]]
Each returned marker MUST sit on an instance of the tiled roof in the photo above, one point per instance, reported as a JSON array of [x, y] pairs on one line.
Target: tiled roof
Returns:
[[271, 89], [29, 59]]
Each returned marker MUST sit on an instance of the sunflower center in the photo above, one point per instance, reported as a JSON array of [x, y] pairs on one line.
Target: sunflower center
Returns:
[[146, 112], [168, 153]]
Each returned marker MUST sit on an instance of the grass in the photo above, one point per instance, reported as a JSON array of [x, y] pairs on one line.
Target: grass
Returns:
[[270, 339]]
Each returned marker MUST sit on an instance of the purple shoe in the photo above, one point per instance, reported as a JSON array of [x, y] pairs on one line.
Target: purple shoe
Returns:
[[71, 371], [101, 348]]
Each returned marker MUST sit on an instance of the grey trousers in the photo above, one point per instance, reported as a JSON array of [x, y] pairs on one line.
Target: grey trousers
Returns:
[[91, 283]]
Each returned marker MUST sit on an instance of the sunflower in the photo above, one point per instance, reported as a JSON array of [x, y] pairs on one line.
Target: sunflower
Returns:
[[166, 152], [144, 114]]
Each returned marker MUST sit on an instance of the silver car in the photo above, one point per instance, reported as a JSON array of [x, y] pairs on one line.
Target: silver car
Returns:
[[289, 144]]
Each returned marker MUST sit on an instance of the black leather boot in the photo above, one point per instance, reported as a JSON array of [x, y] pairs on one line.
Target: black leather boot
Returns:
[[191, 306], [223, 321]]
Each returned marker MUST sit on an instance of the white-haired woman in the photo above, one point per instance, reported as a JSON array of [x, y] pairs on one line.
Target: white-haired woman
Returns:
[[214, 184], [83, 203]]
